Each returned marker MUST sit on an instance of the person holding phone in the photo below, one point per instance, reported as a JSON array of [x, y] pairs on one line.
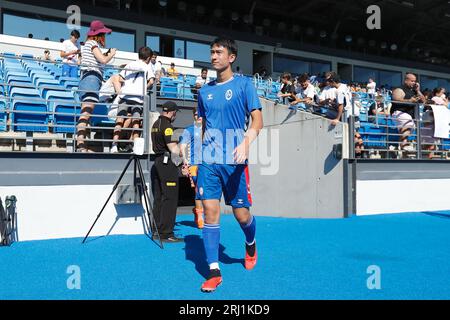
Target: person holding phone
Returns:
[[92, 62], [404, 103], [70, 53]]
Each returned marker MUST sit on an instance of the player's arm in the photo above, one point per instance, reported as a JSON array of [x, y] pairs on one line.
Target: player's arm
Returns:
[[241, 153]]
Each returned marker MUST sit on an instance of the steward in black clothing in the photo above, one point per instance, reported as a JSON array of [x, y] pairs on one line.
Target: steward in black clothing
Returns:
[[165, 174]]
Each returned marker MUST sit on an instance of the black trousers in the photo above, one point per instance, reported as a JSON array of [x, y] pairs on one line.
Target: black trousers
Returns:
[[165, 189]]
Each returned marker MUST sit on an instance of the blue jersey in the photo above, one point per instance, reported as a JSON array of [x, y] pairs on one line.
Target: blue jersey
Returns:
[[225, 108], [192, 136]]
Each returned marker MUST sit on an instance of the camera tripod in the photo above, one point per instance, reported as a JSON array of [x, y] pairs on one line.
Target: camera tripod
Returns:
[[142, 187]]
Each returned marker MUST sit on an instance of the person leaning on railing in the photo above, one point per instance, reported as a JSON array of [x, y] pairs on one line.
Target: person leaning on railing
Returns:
[[92, 61], [305, 92], [404, 102], [287, 91], [138, 78]]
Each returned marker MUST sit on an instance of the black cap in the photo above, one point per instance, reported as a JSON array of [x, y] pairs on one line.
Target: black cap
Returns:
[[170, 106]]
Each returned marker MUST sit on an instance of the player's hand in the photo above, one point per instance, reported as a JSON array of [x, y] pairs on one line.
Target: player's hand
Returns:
[[241, 152], [185, 169]]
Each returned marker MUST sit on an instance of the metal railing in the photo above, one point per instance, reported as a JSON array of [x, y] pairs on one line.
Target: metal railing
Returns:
[[58, 126], [379, 132], [386, 137]]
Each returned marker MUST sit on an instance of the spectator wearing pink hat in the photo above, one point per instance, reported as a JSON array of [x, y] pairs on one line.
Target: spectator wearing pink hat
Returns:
[[92, 62]]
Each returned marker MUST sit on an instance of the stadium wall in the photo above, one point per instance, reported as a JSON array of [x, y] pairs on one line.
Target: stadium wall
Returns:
[[401, 186], [297, 174]]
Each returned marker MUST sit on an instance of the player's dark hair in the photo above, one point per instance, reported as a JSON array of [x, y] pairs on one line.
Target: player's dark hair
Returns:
[[145, 53], [204, 69], [227, 43]]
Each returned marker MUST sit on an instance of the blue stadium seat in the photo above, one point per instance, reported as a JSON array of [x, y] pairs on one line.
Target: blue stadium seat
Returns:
[[17, 92], [3, 115], [63, 80], [71, 112], [169, 90], [38, 75], [28, 121], [103, 121], [46, 82], [373, 136], [184, 92], [445, 144], [71, 84]]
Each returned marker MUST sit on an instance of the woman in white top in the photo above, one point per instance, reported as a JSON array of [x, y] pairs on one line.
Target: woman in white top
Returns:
[[439, 96], [70, 54], [92, 61]]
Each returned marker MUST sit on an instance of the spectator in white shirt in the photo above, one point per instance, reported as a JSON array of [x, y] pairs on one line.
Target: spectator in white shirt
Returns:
[[439, 96], [70, 54], [343, 105], [156, 66], [327, 97], [305, 94], [202, 79], [343, 101], [371, 87], [138, 77]]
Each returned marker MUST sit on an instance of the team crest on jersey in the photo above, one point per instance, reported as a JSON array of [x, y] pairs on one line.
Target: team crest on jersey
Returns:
[[229, 94], [210, 97]]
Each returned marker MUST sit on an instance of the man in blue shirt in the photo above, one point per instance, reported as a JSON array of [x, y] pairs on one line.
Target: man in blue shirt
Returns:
[[226, 106], [191, 149]]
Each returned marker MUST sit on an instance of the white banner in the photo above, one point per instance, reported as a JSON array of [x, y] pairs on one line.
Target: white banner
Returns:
[[441, 121]]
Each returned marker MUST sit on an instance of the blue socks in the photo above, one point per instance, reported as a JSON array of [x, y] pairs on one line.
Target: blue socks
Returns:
[[211, 239], [249, 231]]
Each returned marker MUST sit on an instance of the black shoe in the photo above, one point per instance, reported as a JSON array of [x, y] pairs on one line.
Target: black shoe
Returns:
[[172, 239]]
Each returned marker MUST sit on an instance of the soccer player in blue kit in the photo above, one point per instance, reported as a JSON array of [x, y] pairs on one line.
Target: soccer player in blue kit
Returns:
[[226, 106]]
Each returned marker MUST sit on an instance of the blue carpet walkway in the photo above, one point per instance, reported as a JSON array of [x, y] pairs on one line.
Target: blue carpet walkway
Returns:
[[299, 259]]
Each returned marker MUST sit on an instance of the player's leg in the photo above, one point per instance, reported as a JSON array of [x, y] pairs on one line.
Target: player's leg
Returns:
[[248, 225], [211, 242], [210, 191], [198, 209], [237, 194]]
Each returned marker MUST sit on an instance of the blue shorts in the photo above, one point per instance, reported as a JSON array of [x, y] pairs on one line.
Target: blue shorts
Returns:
[[231, 180], [69, 70], [89, 86]]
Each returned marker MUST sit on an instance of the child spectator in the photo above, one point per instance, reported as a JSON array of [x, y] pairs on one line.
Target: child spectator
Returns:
[[137, 76], [70, 54]]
